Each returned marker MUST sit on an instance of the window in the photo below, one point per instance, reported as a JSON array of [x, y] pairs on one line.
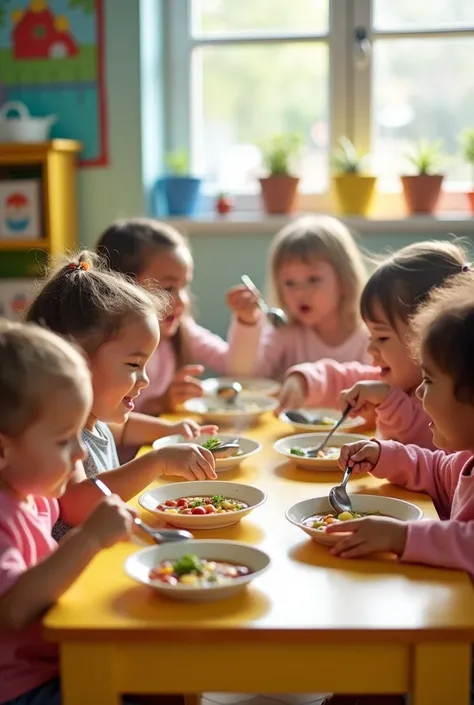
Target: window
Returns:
[[384, 73]]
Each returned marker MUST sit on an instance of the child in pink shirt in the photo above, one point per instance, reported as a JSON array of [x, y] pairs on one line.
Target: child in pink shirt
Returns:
[[155, 253], [317, 275], [392, 294], [46, 395]]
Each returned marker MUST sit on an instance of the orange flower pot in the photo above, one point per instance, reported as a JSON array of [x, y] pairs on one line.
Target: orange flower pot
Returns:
[[279, 193], [422, 192], [470, 198]]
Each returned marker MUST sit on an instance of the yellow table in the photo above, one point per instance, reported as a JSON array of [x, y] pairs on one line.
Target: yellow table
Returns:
[[312, 623]]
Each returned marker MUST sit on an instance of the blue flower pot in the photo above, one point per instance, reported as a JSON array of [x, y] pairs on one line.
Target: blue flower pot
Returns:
[[181, 194]]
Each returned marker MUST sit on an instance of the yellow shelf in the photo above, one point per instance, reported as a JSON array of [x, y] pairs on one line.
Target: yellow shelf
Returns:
[[10, 245]]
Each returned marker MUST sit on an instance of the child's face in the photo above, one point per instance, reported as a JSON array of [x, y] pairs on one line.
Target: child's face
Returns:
[[42, 460], [452, 421], [389, 349], [311, 291], [174, 272], [119, 369]]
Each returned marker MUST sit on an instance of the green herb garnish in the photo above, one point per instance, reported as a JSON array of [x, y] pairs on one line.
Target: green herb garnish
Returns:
[[188, 564], [196, 503], [298, 451], [212, 443], [217, 499]]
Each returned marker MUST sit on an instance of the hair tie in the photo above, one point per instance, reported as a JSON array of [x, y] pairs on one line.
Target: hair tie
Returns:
[[466, 268], [81, 265]]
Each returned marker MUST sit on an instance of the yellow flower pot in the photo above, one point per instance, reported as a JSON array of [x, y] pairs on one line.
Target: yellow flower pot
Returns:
[[354, 193]]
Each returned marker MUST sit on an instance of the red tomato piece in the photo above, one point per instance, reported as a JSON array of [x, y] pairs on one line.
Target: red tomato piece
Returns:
[[209, 509], [182, 502], [161, 507], [187, 511], [170, 579], [171, 503], [198, 510]]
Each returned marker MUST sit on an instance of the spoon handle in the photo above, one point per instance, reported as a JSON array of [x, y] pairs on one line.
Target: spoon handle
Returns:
[[347, 474], [344, 416], [252, 287]]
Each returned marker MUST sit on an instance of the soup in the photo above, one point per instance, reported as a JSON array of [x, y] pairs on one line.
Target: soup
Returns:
[[320, 521], [217, 504], [198, 572], [331, 453]]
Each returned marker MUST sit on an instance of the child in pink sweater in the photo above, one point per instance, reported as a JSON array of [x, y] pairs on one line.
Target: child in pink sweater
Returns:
[[392, 294], [154, 253], [317, 275]]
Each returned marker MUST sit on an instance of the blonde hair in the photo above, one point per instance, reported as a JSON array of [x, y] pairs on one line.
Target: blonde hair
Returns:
[[35, 363], [326, 238]]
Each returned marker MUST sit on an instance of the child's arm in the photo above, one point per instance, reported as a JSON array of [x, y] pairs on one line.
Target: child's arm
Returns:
[[189, 461], [401, 417], [141, 429], [27, 593], [446, 544]]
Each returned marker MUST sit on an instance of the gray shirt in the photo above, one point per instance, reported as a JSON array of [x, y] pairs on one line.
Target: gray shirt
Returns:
[[101, 456]]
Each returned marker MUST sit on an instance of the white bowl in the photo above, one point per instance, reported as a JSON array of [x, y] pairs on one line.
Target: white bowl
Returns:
[[214, 410], [250, 385], [247, 445], [252, 496], [138, 567], [309, 440], [349, 424], [389, 506]]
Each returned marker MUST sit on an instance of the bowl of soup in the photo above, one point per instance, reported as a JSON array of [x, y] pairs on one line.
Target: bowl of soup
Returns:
[[197, 570], [250, 385], [313, 515], [202, 505], [322, 420], [296, 448], [245, 410], [228, 459]]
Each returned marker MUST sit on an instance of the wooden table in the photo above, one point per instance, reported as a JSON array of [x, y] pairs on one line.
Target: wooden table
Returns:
[[312, 623]]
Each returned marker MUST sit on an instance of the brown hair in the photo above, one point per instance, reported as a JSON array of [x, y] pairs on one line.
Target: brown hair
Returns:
[[444, 326], [35, 363], [326, 238], [128, 245], [83, 300], [404, 280]]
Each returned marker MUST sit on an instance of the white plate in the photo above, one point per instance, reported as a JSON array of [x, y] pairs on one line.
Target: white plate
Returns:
[[233, 490], [215, 410], [138, 566], [396, 508], [247, 446], [348, 425], [309, 440], [250, 385]]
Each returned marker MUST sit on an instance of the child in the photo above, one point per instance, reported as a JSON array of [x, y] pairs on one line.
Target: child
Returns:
[[392, 294], [150, 251], [46, 395], [116, 324], [317, 275]]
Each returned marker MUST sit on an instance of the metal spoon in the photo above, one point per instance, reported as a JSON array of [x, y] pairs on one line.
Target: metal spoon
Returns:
[[229, 392], [276, 316], [313, 452], [158, 535], [338, 497], [225, 445], [302, 417]]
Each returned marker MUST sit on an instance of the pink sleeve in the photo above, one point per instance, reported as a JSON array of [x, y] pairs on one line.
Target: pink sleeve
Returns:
[[207, 348], [12, 563], [401, 418], [258, 350], [447, 544], [244, 344], [326, 379]]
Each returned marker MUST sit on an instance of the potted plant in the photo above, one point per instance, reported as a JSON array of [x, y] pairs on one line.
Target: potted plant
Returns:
[[354, 189], [422, 190], [467, 143], [280, 187], [181, 190]]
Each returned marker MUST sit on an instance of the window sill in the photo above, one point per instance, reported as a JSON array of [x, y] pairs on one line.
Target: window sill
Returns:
[[249, 223]]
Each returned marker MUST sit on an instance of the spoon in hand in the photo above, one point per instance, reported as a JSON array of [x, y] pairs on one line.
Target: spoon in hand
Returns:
[[276, 316], [338, 497], [313, 452], [229, 392]]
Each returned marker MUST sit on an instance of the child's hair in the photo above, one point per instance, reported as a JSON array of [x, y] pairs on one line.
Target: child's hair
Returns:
[[404, 280], [83, 300], [128, 246], [35, 363], [444, 327], [326, 238]]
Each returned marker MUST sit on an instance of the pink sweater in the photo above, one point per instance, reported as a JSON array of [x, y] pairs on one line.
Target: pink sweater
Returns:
[[400, 417], [269, 352], [449, 480]]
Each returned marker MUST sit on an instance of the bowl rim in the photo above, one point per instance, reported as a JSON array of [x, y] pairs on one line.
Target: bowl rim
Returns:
[[271, 383], [258, 446], [271, 403], [319, 434], [351, 422]]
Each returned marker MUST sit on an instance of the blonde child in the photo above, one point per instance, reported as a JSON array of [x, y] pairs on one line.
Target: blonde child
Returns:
[[46, 395], [392, 294], [116, 324], [154, 252], [317, 275]]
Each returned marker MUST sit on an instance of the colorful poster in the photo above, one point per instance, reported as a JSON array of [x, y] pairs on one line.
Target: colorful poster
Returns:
[[51, 59], [20, 215]]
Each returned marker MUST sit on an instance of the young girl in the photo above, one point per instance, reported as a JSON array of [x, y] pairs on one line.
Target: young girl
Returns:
[[392, 294], [317, 275], [150, 251], [116, 324], [46, 395]]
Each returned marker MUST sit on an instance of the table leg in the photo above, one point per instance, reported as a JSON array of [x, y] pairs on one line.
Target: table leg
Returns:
[[87, 675], [441, 674]]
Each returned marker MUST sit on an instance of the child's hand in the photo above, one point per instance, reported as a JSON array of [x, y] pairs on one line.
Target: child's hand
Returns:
[[244, 303], [111, 521], [186, 460], [191, 429], [361, 456], [184, 386], [363, 396], [293, 393], [369, 535]]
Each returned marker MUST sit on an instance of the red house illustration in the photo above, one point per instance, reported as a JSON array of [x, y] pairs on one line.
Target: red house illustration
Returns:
[[39, 34]]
